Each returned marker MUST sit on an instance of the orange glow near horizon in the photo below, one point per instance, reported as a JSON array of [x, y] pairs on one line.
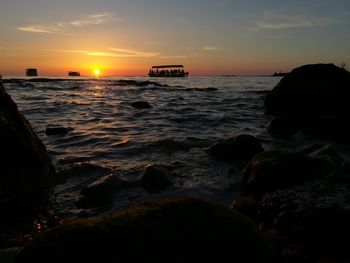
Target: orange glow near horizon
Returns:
[[97, 72]]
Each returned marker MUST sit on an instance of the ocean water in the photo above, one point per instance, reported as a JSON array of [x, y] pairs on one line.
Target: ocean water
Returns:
[[187, 116]]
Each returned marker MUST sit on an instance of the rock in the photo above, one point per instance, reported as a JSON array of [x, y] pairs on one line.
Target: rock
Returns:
[[156, 178], [141, 105], [277, 169], [168, 230], [323, 152], [284, 125], [241, 147], [311, 89], [26, 167], [57, 130], [315, 220], [100, 192]]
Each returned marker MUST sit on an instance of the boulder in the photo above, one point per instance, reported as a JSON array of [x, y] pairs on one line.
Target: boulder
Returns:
[[25, 166], [166, 230], [57, 130], [311, 89], [277, 169], [284, 125], [101, 191], [156, 178], [141, 105], [241, 147]]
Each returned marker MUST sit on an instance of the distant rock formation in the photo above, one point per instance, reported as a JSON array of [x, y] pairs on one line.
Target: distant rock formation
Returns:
[[25, 166]]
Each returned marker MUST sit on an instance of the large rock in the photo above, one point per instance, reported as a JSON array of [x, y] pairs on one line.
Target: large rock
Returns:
[[277, 169], [156, 178], [25, 166], [170, 230], [240, 147], [311, 89]]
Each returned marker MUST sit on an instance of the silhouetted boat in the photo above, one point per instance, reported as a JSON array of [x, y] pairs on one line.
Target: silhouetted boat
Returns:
[[31, 72], [168, 71], [73, 74]]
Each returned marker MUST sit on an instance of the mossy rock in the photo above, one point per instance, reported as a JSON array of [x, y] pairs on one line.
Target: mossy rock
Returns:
[[167, 230]]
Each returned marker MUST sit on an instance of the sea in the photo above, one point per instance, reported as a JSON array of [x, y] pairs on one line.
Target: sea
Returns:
[[107, 135]]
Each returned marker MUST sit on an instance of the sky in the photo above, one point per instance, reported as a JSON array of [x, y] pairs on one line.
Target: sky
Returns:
[[209, 37]]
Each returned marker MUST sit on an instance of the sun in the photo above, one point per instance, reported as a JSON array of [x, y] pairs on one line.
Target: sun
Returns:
[[97, 72]]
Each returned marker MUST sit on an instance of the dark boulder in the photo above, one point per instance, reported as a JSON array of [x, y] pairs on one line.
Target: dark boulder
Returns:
[[284, 125], [241, 147], [141, 105], [277, 169], [58, 130], [311, 89], [25, 165], [168, 230], [156, 178], [100, 192]]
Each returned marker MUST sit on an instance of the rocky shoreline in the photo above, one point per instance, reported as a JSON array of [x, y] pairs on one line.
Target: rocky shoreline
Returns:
[[293, 207]]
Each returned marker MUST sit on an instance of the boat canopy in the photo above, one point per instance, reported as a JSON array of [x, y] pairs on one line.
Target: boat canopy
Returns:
[[169, 66]]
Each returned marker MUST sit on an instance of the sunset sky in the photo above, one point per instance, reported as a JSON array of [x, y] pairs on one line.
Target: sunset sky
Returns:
[[209, 37]]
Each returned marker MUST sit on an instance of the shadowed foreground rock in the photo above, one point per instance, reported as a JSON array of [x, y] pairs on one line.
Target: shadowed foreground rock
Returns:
[[168, 230], [25, 167]]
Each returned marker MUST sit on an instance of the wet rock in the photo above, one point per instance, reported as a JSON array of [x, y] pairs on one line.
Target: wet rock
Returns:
[[141, 105], [83, 170], [26, 167], [198, 230], [315, 220], [241, 147], [57, 130], [324, 152], [277, 169], [311, 89], [101, 191], [285, 125], [156, 178]]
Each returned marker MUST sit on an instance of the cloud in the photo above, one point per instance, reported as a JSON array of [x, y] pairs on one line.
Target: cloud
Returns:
[[114, 52], [210, 48], [272, 21], [133, 53], [41, 29], [62, 27], [150, 42], [95, 19], [172, 57]]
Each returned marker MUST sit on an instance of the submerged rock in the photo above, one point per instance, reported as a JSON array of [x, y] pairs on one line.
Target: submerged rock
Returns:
[[169, 230], [57, 130], [241, 147], [101, 191], [141, 105], [26, 167], [156, 178]]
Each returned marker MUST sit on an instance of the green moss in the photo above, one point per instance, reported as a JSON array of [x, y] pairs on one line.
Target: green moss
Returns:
[[167, 230]]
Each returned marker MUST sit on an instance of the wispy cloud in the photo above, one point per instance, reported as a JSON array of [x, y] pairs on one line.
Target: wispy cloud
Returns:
[[114, 52], [63, 27], [133, 53], [273, 21], [173, 57], [210, 48], [95, 19], [42, 29]]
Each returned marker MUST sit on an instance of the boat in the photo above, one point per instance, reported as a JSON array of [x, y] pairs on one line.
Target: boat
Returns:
[[31, 72], [168, 71], [73, 74]]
